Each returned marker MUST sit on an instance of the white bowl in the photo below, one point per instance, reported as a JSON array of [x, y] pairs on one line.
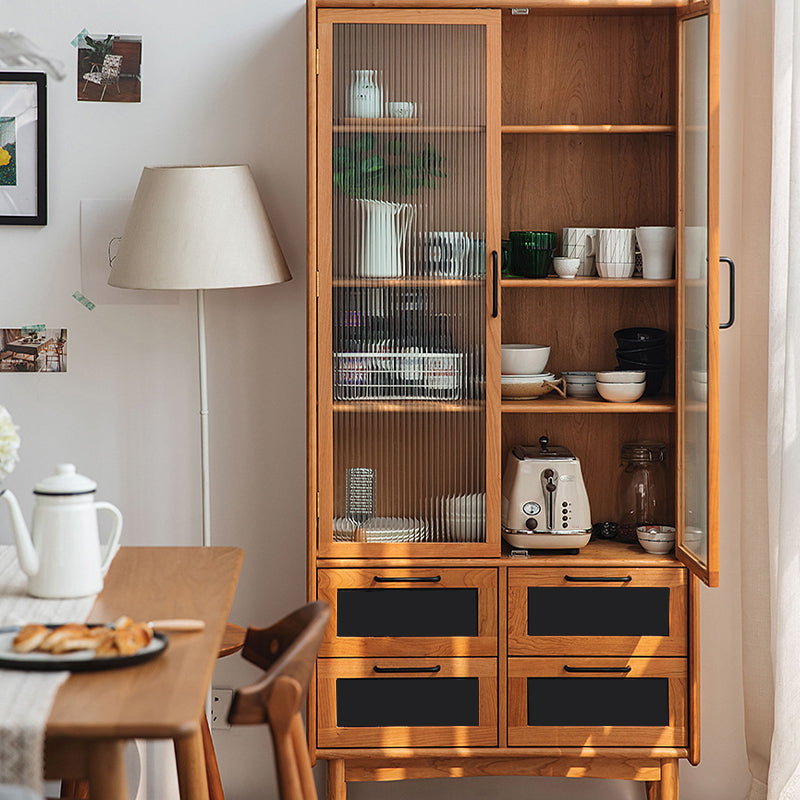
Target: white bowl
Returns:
[[622, 270], [582, 390], [523, 359], [566, 267], [587, 378], [656, 533], [621, 376], [621, 392], [657, 548]]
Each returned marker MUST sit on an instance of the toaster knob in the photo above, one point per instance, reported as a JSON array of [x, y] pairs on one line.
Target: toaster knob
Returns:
[[531, 524]]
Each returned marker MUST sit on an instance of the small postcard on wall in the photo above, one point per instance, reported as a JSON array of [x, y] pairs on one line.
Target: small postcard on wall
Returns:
[[33, 349], [109, 67]]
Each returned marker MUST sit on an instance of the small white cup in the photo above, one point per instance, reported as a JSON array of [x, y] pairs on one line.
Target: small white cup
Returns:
[[566, 267], [402, 109], [657, 243]]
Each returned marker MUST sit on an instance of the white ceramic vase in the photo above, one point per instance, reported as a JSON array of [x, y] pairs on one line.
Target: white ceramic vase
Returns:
[[657, 244], [365, 96]]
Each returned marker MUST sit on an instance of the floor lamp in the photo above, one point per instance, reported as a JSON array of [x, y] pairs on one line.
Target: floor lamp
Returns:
[[198, 228]]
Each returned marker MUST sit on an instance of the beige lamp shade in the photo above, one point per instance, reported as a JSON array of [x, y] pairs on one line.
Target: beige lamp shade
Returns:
[[198, 228]]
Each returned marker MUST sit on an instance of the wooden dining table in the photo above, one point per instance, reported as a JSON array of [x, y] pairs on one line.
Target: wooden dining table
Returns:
[[96, 713]]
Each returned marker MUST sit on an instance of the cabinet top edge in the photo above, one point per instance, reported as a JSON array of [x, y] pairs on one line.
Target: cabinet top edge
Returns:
[[587, 6]]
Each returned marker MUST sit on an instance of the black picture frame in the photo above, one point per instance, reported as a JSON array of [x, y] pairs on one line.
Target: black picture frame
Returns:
[[23, 148]]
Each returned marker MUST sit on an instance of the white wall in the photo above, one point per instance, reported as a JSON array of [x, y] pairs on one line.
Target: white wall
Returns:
[[225, 84]]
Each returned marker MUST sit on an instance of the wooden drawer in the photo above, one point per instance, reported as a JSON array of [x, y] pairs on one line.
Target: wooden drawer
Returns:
[[419, 702], [597, 611], [637, 702], [410, 612]]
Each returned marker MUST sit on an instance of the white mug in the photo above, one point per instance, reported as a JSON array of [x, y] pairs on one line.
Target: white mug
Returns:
[[657, 243], [401, 109], [580, 243], [616, 252]]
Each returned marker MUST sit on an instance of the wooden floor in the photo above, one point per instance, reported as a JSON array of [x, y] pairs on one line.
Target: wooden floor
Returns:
[[130, 91]]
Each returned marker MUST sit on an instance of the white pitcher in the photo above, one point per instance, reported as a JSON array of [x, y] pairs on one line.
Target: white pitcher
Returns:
[[365, 96], [383, 228], [61, 555]]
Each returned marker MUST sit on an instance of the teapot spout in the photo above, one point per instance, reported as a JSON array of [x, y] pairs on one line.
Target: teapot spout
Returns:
[[28, 559]]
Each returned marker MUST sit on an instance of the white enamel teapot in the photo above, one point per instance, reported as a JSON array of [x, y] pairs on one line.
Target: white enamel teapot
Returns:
[[62, 555]]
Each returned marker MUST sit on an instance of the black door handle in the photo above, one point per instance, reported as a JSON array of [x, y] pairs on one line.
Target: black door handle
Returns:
[[411, 579], [731, 293], [597, 579], [596, 669], [495, 286], [383, 670]]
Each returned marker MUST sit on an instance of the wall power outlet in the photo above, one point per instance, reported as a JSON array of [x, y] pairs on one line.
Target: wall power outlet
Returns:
[[221, 700]]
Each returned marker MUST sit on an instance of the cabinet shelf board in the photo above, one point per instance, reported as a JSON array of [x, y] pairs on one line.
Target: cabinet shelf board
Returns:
[[584, 283], [573, 129], [578, 405], [398, 125], [407, 406], [408, 282]]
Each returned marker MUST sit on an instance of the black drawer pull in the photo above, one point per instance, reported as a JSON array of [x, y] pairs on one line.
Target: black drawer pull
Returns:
[[597, 579], [437, 668], [567, 668], [411, 579]]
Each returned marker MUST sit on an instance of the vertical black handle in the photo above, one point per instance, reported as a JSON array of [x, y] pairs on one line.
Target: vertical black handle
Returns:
[[731, 293], [495, 285]]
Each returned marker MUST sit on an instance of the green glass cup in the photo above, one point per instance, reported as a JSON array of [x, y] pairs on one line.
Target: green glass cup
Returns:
[[532, 253]]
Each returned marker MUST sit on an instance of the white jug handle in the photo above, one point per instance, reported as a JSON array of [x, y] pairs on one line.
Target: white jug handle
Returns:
[[113, 542], [591, 245]]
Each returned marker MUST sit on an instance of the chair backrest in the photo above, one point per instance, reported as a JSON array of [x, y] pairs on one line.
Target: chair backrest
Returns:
[[111, 67], [287, 651]]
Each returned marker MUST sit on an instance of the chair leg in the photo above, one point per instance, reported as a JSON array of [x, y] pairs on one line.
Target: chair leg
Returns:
[[215, 791], [103, 93], [302, 759], [281, 709]]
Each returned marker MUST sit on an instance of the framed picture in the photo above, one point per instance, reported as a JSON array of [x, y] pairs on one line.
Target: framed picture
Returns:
[[23, 148]]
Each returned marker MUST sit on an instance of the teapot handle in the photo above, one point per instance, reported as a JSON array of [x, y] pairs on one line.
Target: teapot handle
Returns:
[[113, 542]]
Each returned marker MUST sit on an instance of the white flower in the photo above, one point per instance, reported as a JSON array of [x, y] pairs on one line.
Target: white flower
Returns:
[[9, 443]]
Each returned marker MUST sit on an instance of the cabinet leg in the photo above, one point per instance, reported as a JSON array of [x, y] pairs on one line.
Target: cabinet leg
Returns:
[[669, 779], [652, 790], [337, 786]]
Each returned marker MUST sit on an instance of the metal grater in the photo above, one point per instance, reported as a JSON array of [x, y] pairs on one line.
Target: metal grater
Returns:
[[360, 498]]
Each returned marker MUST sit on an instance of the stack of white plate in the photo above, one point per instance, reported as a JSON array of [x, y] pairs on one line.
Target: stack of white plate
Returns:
[[465, 517], [380, 529], [525, 386]]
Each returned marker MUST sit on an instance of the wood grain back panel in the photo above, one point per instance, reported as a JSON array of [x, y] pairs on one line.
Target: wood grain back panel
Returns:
[[588, 68]]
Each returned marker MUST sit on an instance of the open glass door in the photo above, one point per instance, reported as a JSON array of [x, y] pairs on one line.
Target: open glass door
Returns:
[[408, 133], [698, 402]]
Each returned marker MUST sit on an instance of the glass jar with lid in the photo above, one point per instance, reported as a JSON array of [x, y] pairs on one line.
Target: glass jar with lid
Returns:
[[641, 488]]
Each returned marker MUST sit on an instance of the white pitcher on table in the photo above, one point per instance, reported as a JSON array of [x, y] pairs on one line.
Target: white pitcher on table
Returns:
[[62, 555]]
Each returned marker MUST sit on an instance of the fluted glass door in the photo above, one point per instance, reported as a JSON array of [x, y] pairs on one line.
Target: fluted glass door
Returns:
[[404, 173]]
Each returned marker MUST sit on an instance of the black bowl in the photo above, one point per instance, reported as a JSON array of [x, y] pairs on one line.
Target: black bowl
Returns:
[[655, 355], [631, 363], [636, 337]]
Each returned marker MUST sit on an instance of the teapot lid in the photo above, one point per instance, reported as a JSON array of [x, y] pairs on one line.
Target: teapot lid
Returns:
[[65, 482]]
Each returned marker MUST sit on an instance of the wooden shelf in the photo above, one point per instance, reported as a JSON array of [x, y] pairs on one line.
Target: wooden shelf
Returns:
[[525, 129], [407, 406], [408, 282], [584, 283], [660, 404], [400, 125]]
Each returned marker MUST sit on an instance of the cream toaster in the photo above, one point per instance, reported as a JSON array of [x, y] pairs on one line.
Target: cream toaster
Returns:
[[544, 503]]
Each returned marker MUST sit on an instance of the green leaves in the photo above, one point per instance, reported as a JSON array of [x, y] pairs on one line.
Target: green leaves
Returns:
[[371, 165]]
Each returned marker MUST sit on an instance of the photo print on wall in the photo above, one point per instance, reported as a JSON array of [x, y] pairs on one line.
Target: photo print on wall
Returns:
[[109, 67], [33, 349], [23, 148]]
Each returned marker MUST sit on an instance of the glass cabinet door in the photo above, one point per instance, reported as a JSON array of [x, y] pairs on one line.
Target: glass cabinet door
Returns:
[[408, 155], [698, 140]]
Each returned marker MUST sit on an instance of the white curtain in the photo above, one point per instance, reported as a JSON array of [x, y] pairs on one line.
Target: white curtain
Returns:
[[783, 426]]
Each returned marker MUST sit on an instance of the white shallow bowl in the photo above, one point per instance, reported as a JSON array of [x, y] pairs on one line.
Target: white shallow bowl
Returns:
[[581, 390], [566, 267], [621, 392], [580, 377], [523, 359], [656, 532], [623, 270], [621, 376], [538, 377]]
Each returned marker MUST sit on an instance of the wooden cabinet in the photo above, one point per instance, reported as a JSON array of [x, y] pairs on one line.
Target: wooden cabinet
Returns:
[[433, 132]]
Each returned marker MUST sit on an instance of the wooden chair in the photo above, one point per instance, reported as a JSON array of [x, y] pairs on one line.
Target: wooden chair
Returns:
[[287, 651]]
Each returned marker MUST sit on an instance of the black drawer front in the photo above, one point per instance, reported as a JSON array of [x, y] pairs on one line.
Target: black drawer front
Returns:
[[407, 612], [407, 702], [590, 702], [598, 611]]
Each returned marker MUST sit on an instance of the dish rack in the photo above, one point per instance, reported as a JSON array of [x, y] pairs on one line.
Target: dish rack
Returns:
[[398, 376]]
